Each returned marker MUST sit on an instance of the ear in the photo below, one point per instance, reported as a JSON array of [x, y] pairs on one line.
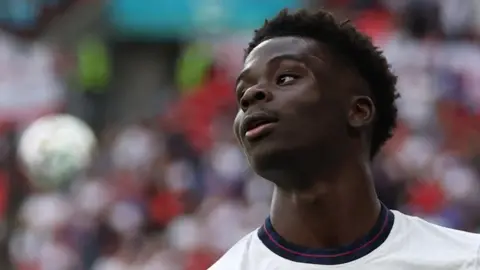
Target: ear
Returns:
[[362, 111]]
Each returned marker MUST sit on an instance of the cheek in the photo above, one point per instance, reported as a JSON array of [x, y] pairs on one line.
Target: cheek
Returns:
[[314, 115], [236, 125], [307, 105]]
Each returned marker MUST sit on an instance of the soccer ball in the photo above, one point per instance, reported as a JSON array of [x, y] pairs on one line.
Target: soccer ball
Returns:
[[55, 148]]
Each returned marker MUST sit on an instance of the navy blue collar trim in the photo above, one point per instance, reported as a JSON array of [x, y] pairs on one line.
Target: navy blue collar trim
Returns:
[[361, 247]]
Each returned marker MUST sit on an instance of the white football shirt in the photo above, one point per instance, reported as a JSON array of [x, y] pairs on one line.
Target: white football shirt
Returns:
[[397, 242]]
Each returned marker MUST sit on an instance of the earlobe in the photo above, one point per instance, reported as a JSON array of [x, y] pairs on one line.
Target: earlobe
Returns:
[[362, 111]]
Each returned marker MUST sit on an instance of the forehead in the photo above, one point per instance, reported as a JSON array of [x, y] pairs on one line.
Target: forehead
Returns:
[[302, 49], [281, 45]]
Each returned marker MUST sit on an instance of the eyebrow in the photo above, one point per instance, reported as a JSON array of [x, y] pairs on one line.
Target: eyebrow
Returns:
[[293, 57]]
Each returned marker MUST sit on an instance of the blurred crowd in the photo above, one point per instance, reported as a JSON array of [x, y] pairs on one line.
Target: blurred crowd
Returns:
[[173, 192]]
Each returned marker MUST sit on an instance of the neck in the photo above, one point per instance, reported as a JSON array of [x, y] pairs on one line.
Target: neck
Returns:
[[331, 213]]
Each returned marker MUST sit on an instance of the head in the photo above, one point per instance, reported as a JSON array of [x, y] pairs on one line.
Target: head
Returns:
[[313, 92]]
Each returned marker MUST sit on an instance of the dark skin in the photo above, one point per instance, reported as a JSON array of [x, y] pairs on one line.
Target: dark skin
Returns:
[[317, 151]]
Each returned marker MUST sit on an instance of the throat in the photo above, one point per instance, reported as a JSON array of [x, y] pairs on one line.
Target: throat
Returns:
[[325, 217]]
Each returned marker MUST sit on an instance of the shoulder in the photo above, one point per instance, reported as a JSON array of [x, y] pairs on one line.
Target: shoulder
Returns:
[[423, 229], [236, 256], [425, 240]]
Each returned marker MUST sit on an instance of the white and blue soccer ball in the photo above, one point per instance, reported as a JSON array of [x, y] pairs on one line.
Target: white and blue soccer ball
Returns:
[[55, 148]]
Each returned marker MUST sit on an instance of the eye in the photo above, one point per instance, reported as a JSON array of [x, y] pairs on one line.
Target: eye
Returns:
[[285, 79]]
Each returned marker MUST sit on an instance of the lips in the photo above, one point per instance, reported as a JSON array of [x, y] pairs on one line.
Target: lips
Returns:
[[257, 125]]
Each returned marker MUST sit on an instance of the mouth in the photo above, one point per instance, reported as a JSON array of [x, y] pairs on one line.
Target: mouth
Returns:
[[257, 126]]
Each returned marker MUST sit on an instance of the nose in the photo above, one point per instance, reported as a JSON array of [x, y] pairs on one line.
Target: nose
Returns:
[[254, 95]]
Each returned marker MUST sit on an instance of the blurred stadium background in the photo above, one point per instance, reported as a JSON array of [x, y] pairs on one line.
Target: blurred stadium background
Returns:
[[169, 189]]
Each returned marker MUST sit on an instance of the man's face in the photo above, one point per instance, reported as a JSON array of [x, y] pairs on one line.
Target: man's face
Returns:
[[291, 107]]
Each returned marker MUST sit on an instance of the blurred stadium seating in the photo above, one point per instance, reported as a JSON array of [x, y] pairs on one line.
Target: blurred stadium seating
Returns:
[[169, 189]]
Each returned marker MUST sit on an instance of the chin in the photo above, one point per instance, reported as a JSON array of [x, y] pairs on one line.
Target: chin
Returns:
[[273, 163]]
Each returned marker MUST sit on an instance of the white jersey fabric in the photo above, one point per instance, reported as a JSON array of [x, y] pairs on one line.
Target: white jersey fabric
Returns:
[[397, 242]]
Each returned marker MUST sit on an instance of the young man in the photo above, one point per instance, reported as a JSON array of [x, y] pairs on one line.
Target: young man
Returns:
[[317, 102]]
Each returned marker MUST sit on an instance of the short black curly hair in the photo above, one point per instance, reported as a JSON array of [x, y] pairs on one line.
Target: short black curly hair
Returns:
[[345, 39]]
